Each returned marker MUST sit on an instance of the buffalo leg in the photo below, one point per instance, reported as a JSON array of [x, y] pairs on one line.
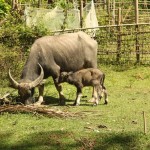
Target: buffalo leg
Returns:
[[59, 89], [56, 72], [41, 92]]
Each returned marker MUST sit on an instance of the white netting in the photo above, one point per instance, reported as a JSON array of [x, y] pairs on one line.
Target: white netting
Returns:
[[53, 19]]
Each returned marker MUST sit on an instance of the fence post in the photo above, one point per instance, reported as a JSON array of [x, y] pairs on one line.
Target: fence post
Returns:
[[113, 13], [14, 4], [108, 10], [145, 123], [136, 31], [119, 36], [81, 13], [39, 3]]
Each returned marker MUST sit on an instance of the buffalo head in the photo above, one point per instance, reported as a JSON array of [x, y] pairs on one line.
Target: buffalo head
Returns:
[[26, 88]]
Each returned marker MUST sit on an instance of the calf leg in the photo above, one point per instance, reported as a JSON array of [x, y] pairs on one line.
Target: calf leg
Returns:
[[93, 95], [96, 95], [79, 95], [94, 98], [103, 92], [105, 95]]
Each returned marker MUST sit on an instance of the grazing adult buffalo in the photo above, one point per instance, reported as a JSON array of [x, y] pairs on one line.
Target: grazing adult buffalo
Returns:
[[51, 55]]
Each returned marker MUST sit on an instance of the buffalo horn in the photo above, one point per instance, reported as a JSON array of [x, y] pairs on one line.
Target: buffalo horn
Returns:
[[38, 80], [14, 83]]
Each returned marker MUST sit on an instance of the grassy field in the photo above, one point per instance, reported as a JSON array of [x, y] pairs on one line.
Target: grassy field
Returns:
[[116, 126]]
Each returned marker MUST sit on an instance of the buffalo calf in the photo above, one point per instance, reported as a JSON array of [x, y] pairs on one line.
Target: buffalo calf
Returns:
[[86, 77]]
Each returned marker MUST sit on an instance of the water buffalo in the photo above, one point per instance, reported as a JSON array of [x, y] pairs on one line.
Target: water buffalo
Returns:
[[51, 55], [86, 77]]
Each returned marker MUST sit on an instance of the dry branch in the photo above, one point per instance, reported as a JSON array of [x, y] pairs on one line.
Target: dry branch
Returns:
[[36, 110], [4, 98]]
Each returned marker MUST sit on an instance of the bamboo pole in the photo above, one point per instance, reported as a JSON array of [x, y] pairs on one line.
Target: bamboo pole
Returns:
[[145, 123], [137, 29], [119, 36], [113, 13], [98, 27], [136, 12], [108, 10], [81, 13], [39, 3], [13, 4]]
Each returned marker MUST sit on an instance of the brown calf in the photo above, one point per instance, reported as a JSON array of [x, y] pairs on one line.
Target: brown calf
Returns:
[[87, 77]]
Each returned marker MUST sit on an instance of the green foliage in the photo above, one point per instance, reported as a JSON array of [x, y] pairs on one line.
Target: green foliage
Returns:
[[4, 9], [15, 33], [64, 4], [15, 42]]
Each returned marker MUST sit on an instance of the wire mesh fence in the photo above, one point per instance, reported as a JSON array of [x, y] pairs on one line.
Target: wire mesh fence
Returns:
[[129, 11], [124, 44]]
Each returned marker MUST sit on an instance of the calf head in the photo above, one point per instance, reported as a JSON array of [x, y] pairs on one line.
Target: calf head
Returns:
[[64, 76], [26, 88]]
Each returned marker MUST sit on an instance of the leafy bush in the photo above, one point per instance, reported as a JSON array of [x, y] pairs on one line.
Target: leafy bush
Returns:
[[15, 42], [4, 8]]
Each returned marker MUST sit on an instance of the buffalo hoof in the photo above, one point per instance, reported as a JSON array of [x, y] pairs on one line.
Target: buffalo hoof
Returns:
[[29, 101], [76, 104], [62, 103], [94, 104], [92, 100], [62, 100], [37, 104], [106, 102]]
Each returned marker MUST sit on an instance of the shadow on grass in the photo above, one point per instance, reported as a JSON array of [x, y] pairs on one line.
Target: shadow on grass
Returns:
[[123, 141], [49, 100], [65, 140], [39, 141]]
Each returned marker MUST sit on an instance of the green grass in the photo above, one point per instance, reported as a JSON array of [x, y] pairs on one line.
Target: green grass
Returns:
[[116, 126]]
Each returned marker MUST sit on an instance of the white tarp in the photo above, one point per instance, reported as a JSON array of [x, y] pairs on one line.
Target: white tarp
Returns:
[[53, 19]]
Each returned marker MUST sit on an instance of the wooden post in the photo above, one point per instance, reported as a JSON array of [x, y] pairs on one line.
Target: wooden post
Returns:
[[39, 3], [63, 27], [113, 14], [81, 13], [14, 4], [84, 3], [119, 36], [108, 10], [145, 124], [136, 31], [136, 12], [50, 1]]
